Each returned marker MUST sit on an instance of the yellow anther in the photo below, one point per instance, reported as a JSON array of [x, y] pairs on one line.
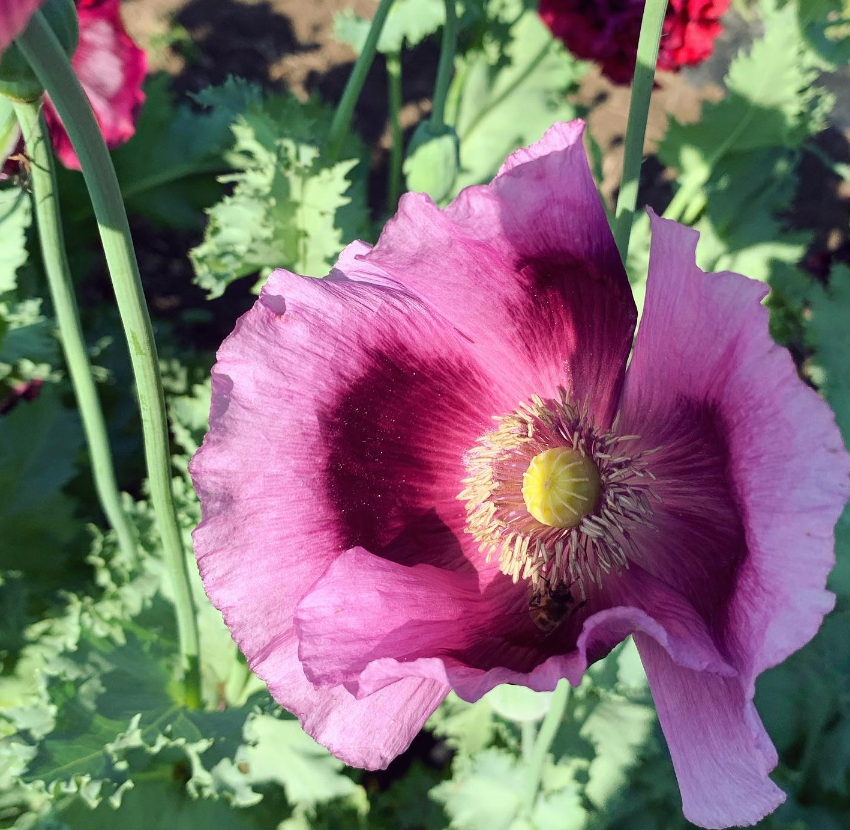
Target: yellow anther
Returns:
[[560, 486]]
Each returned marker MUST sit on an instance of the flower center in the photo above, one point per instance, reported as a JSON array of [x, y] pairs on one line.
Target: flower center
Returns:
[[560, 486], [556, 499]]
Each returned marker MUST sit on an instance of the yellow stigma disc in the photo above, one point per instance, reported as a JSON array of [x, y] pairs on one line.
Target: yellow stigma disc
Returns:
[[560, 486]]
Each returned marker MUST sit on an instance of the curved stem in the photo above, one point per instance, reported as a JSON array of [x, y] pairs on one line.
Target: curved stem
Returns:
[[53, 68], [548, 730], [396, 150], [647, 57], [444, 70], [46, 199], [455, 91], [345, 108]]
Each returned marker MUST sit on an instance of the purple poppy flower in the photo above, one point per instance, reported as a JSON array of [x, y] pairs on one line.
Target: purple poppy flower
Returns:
[[432, 471]]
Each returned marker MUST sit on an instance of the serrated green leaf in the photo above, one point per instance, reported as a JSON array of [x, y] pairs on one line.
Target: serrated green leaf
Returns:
[[508, 93], [29, 336], [352, 29], [39, 442], [408, 23], [826, 25], [432, 161], [176, 148], [466, 727], [803, 705], [190, 417], [279, 751], [487, 794], [96, 700], [289, 207], [771, 102], [160, 802], [829, 334], [737, 162], [117, 718], [617, 728], [560, 810], [139, 588], [839, 579]]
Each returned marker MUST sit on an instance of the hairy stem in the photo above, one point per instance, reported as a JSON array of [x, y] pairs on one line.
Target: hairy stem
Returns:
[[42, 49], [345, 109], [644, 78], [46, 199]]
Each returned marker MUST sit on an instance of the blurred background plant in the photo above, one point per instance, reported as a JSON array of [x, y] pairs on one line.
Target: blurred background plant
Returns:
[[224, 177]]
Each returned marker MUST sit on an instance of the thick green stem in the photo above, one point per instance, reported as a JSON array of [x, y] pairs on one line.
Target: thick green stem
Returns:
[[647, 57], [397, 150], [444, 70], [46, 199], [345, 109], [53, 68], [548, 730]]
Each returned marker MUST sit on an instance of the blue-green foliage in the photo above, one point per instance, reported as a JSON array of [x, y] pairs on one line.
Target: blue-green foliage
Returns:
[[93, 730]]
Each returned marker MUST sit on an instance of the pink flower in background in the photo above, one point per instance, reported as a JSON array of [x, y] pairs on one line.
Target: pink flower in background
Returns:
[[374, 538], [14, 15], [606, 32], [112, 69]]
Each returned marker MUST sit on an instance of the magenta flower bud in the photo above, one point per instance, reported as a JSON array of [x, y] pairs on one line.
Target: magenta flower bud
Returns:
[[432, 471]]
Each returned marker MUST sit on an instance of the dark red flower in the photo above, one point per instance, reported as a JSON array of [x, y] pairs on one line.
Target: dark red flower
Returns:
[[111, 68], [606, 32]]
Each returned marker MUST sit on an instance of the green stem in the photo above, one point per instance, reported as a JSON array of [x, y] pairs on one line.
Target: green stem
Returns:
[[397, 150], [548, 730], [454, 94], [647, 57], [528, 734], [42, 49], [46, 199], [444, 70], [345, 108]]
